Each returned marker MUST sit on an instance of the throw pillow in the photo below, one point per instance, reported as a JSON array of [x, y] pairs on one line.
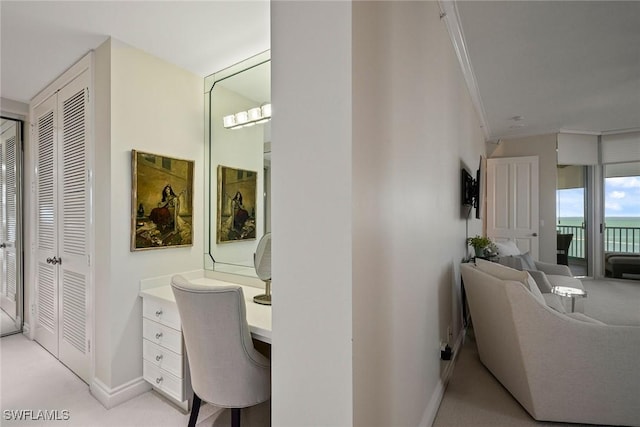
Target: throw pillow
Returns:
[[511, 261], [507, 248], [527, 262], [534, 289], [541, 280], [501, 272]]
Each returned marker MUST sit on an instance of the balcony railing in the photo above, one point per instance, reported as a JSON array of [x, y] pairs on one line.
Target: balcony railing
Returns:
[[616, 239]]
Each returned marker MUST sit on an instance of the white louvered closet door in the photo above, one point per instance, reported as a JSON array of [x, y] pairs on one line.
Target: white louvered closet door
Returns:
[[73, 225], [9, 227], [62, 237], [46, 136]]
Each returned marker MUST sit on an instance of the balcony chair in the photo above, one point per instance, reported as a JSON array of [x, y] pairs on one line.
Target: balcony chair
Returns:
[[564, 241], [226, 370]]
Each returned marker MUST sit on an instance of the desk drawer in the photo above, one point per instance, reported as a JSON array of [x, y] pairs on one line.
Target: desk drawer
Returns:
[[161, 311], [162, 335], [162, 358], [163, 380]]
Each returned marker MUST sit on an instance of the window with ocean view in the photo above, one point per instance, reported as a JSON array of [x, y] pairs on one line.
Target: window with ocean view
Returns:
[[621, 231], [622, 214]]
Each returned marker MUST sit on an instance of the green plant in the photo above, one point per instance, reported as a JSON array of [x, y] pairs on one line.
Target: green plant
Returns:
[[479, 242]]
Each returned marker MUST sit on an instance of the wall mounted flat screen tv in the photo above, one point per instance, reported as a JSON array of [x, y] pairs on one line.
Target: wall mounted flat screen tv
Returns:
[[467, 189]]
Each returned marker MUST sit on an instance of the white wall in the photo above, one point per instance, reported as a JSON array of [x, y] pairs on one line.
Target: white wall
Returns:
[[366, 209], [311, 205], [149, 105], [414, 126], [543, 146]]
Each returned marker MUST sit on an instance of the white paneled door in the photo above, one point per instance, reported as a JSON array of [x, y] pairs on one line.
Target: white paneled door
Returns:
[[513, 200], [9, 181], [62, 238]]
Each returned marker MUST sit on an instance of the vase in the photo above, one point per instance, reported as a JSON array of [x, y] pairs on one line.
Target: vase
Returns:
[[479, 252]]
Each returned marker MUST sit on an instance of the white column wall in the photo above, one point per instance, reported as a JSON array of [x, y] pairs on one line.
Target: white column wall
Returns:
[[311, 204], [366, 210], [414, 128], [156, 107]]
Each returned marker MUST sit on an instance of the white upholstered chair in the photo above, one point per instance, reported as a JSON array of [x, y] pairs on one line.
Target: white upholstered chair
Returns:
[[226, 370]]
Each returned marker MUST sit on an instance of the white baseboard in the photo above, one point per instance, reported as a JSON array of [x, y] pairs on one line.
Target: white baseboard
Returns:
[[110, 397], [430, 412]]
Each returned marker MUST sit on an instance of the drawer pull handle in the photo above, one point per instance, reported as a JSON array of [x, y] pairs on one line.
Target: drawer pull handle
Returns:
[[159, 313], [159, 335], [159, 380], [159, 357]]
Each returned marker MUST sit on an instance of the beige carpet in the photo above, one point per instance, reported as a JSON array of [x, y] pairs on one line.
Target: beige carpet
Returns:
[[33, 379], [613, 301], [7, 325], [475, 398]]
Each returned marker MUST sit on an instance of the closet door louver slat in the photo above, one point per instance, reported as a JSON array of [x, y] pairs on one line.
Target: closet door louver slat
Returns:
[[73, 190], [46, 225]]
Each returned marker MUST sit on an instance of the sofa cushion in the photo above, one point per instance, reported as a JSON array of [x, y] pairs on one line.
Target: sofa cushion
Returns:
[[507, 248], [554, 302], [584, 318]]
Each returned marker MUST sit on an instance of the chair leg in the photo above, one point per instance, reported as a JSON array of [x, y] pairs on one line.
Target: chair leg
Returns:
[[235, 417], [195, 408]]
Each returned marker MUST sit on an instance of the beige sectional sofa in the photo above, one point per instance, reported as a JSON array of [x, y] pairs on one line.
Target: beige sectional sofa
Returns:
[[563, 367]]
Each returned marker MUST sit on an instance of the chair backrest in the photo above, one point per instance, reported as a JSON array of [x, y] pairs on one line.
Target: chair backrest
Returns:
[[226, 370], [564, 241]]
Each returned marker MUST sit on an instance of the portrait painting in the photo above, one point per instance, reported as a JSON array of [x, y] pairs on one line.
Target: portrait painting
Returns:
[[237, 190], [162, 201]]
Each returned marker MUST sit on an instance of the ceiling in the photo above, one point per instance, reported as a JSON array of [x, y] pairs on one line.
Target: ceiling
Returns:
[[40, 39], [560, 65]]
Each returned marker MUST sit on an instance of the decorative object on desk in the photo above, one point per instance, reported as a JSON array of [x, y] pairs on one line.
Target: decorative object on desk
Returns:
[[262, 263], [162, 187], [480, 244], [236, 204]]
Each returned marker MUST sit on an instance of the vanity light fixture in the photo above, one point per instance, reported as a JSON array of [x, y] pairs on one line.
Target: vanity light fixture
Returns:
[[248, 118]]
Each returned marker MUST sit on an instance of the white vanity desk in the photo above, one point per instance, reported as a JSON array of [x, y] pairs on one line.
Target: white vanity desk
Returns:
[[258, 316], [164, 364]]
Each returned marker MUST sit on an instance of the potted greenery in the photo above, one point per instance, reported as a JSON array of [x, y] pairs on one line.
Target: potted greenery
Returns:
[[479, 243]]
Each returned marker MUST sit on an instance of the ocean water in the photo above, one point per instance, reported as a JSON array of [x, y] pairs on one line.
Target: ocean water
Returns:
[[622, 234]]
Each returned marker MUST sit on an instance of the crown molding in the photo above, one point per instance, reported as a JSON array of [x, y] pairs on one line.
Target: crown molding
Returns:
[[449, 14], [580, 132], [620, 131]]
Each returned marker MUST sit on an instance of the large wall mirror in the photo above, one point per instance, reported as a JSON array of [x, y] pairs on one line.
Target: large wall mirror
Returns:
[[238, 127]]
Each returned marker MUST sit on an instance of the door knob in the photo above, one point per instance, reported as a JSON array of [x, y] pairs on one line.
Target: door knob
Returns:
[[3, 245], [49, 261], [535, 234]]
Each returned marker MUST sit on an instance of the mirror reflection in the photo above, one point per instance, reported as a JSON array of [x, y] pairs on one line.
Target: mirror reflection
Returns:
[[239, 130], [11, 285]]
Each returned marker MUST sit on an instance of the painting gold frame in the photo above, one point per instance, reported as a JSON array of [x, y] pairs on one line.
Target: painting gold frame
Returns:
[[161, 201], [237, 204]]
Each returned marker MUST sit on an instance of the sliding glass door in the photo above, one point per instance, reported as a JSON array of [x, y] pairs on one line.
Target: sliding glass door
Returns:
[[621, 212], [572, 221]]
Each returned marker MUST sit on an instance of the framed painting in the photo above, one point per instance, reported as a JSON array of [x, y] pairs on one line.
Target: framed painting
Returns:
[[161, 202], [237, 193]]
